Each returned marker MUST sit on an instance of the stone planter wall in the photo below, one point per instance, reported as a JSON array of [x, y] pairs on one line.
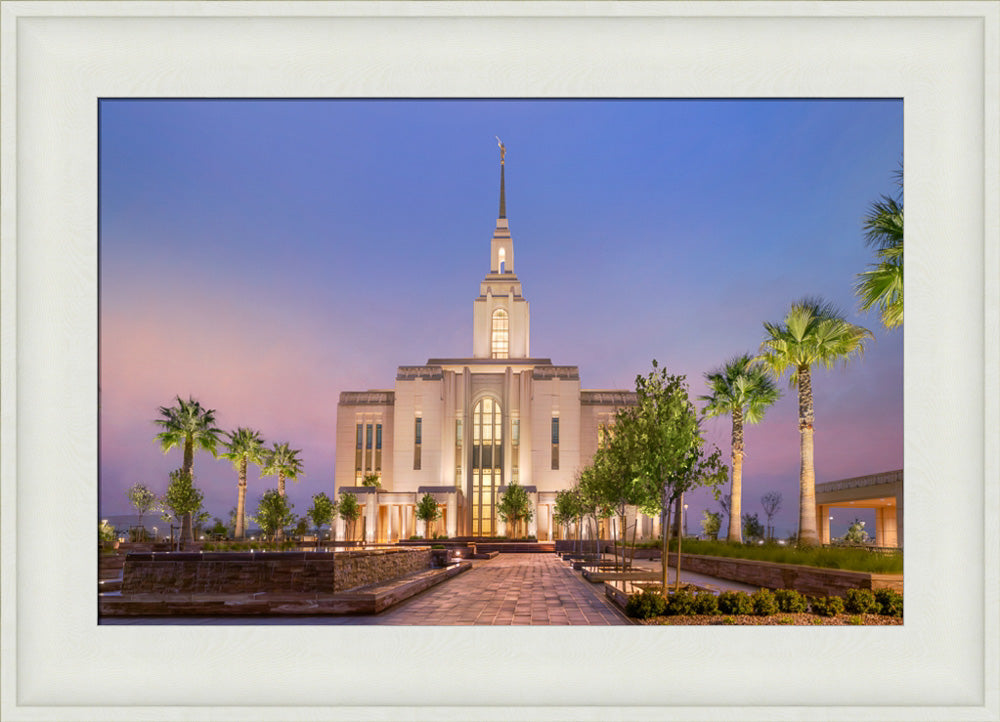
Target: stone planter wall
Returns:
[[251, 572], [815, 581]]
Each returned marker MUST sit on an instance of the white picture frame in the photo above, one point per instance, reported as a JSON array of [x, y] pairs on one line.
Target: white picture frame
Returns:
[[60, 57]]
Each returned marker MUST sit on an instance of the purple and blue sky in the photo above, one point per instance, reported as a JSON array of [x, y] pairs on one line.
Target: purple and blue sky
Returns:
[[263, 256]]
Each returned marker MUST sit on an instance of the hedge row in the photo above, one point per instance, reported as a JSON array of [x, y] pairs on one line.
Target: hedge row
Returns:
[[763, 602]]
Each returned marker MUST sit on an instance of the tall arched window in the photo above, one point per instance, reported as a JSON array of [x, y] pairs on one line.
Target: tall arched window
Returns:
[[500, 334], [486, 465], [501, 257]]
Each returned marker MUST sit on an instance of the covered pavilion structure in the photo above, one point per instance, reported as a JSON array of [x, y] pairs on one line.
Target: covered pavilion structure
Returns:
[[882, 492]]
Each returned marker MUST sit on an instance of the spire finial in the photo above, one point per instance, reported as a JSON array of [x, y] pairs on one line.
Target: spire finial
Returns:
[[503, 202]]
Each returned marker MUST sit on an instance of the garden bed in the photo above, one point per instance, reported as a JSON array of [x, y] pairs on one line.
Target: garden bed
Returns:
[[801, 619], [771, 575], [692, 606]]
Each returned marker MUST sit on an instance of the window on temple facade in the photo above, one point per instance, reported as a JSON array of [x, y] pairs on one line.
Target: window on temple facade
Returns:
[[500, 345], [358, 455], [416, 443], [555, 442]]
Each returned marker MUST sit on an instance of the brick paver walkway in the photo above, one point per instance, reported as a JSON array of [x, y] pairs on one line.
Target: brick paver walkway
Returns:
[[509, 589]]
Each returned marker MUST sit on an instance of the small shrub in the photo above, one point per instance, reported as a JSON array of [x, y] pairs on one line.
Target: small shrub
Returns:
[[856, 619], [735, 603], [860, 601], [728, 620], [646, 604], [827, 606], [106, 534], [790, 601], [889, 602], [681, 603], [706, 603], [784, 620], [438, 546], [764, 603]]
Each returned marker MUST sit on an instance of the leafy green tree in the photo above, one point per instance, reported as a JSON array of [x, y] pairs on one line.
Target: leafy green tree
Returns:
[[752, 528], [142, 500], [856, 533], [274, 513], [771, 502], [321, 512], [182, 500], [428, 512], [667, 448], [813, 332], [514, 507], [373, 480], [187, 425], [593, 500], [231, 526], [569, 509], [218, 529], [283, 462], [743, 389], [245, 446], [881, 286], [349, 510], [615, 480], [106, 534], [711, 522]]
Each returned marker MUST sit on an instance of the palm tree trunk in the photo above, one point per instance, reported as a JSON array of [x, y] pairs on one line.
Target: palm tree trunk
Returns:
[[241, 501], [807, 470], [187, 529], [736, 490], [280, 534]]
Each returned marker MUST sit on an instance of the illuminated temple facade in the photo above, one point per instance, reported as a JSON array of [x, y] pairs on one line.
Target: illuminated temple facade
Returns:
[[462, 429]]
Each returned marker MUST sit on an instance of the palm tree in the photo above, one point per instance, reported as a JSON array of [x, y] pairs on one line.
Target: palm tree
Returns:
[[245, 446], [284, 462], [813, 332], [743, 389], [881, 285], [187, 424]]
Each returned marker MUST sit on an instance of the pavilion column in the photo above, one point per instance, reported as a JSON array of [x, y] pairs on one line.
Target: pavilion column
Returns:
[[823, 522], [899, 521], [656, 526]]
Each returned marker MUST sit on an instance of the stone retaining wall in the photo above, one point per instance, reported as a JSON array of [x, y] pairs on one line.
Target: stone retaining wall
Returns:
[[816, 581], [251, 572]]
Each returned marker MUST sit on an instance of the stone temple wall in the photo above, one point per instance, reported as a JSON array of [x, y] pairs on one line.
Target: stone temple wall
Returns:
[[251, 572]]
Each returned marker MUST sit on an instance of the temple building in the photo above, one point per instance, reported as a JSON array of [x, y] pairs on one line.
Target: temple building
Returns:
[[462, 429]]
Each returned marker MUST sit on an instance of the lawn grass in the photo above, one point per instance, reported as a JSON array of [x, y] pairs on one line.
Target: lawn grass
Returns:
[[858, 560]]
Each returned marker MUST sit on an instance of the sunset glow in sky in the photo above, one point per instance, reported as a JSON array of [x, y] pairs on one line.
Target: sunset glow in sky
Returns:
[[263, 256]]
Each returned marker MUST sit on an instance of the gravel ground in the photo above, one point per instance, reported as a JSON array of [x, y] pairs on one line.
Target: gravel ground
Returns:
[[775, 619]]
